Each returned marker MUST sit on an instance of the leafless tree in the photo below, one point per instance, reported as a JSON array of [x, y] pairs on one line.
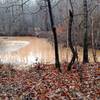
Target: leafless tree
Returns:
[[85, 47], [57, 63]]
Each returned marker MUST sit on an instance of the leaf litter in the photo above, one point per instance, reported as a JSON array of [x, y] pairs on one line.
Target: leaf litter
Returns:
[[45, 82]]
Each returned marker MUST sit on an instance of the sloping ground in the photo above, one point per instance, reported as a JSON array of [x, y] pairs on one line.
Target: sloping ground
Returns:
[[44, 82]]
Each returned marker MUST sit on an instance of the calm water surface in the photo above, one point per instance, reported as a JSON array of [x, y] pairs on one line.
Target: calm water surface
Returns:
[[29, 50]]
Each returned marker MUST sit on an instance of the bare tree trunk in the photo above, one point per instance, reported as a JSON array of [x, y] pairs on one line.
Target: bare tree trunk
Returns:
[[23, 20], [74, 52], [57, 63], [70, 41], [93, 44], [46, 17], [85, 48], [67, 30]]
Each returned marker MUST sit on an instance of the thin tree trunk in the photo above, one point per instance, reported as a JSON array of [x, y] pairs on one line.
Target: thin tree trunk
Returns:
[[74, 52], [67, 29], [46, 17], [70, 41], [93, 44], [57, 63], [85, 48]]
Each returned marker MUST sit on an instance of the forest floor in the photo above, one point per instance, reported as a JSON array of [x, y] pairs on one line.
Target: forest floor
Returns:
[[45, 82]]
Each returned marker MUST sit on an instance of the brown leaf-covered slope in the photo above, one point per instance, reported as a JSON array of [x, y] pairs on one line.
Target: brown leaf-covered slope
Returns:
[[44, 82]]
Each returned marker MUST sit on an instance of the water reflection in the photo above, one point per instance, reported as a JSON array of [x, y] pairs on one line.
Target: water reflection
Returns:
[[29, 50]]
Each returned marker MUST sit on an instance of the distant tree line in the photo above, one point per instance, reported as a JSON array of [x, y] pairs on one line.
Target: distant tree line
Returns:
[[25, 17]]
